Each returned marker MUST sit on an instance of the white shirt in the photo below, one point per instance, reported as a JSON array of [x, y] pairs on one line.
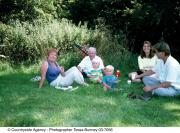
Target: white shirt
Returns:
[[86, 63], [147, 63], [168, 71]]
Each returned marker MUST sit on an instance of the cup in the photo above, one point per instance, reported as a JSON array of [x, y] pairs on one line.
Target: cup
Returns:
[[133, 76], [129, 82]]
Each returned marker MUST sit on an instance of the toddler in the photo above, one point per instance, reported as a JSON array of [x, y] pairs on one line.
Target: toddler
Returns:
[[109, 81], [95, 74]]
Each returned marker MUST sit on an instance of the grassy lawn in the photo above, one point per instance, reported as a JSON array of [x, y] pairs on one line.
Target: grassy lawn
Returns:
[[23, 104]]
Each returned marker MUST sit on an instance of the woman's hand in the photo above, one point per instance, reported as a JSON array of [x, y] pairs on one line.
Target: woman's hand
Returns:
[[62, 71], [137, 77]]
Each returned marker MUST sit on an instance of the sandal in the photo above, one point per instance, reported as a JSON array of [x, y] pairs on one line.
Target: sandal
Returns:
[[141, 97]]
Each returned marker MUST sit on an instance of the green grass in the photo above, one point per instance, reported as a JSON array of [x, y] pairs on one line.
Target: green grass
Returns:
[[22, 103]]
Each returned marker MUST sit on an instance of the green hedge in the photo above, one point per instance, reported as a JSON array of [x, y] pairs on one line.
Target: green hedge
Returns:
[[28, 42]]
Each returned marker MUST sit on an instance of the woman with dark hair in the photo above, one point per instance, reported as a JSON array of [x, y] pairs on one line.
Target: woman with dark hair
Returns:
[[146, 61]]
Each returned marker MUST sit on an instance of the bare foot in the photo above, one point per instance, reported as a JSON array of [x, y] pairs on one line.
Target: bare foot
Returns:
[[85, 84], [136, 80]]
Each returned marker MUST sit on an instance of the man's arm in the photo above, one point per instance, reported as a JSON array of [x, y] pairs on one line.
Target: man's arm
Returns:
[[79, 68], [82, 65], [146, 73], [101, 63]]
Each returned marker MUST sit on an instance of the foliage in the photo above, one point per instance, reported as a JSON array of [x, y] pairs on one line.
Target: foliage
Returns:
[[139, 20], [27, 10], [70, 59], [5, 67], [113, 47], [16, 42], [17, 9], [28, 42]]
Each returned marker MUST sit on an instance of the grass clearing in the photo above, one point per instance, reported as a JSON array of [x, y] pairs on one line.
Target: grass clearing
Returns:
[[22, 103]]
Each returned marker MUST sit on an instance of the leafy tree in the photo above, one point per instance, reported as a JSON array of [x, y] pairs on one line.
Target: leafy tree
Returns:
[[17, 9], [27, 10], [140, 20]]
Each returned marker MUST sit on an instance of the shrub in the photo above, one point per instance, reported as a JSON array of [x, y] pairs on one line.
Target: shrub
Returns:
[[114, 48], [5, 67], [70, 59], [28, 42]]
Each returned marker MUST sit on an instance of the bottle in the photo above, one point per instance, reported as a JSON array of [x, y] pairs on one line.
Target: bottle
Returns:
[[118, 73]]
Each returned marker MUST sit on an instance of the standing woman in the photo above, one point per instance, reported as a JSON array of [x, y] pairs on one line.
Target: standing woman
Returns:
[[146, 61], [55, 75]]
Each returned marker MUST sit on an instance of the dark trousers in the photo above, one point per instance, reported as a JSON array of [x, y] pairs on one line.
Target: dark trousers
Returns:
[[84, 75]]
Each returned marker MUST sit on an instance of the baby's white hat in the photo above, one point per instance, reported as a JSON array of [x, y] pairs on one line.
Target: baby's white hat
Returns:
[[110, 67], [95, 60]]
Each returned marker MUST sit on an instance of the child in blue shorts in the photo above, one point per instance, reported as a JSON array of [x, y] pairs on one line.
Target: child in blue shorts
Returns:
[[109, 81]]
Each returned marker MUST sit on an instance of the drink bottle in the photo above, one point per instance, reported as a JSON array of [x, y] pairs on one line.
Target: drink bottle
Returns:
[[118, 73]]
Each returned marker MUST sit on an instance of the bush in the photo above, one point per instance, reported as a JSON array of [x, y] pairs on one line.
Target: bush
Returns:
[[114, 48], [5, 67], [28, 42], [70, 59]]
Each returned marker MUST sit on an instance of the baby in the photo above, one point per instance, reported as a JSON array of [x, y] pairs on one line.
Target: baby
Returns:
[[95, 74], [109, 81]]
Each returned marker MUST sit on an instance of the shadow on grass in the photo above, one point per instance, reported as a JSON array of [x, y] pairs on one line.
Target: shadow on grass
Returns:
[[23, 104]]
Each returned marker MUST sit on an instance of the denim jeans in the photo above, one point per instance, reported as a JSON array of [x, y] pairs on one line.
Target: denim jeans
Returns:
[[170, 91]]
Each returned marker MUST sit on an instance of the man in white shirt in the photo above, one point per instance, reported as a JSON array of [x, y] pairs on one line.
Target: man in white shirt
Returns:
[[167, 70], [86, 65]]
